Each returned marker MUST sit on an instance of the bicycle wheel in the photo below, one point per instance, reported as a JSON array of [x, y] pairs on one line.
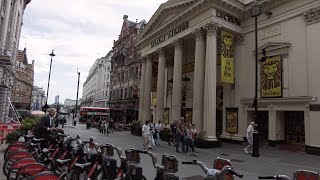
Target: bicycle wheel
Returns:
[[23, 176]]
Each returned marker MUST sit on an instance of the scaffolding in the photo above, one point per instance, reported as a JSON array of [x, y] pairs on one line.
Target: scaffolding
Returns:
[[7, 78]]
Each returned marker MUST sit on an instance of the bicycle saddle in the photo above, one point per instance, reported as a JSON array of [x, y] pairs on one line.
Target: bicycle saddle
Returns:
[[63, 161], [35, 140], [82, 166]]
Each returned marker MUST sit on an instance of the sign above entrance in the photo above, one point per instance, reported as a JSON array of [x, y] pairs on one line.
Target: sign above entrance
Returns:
[[170, 34], [228, 17]]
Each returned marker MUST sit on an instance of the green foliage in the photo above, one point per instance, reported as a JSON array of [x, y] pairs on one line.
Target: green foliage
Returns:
[[202, 135], [136, 128], [14, 136], [136, 124], [26, 124], [30, 122]]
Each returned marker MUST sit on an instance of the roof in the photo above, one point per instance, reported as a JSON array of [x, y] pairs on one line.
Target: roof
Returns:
[[22, 56]]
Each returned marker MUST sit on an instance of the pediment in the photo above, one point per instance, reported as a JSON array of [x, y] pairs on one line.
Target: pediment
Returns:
[[165, 13], [274, 48]]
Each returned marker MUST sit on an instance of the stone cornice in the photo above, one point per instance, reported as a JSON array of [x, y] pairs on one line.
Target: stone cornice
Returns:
[[191, 12], [312, 16]]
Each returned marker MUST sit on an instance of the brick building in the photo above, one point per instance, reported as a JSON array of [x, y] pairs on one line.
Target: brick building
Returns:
[[126, 67]]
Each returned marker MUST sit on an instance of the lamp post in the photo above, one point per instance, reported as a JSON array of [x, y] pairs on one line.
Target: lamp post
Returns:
[[45, 107], [255, 12], [75, 121], [58, 107]]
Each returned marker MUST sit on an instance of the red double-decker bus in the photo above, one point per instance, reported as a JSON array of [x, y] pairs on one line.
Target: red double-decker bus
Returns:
[[94, 113]]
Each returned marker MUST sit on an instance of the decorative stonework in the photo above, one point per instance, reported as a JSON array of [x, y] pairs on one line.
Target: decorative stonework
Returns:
[[199, 34], [212, 29], [178, 43], [312, 16], [307, 110], [161, 52], [239, 40]]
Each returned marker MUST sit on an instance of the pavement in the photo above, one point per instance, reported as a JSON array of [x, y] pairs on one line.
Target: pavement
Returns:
[[272, 160]]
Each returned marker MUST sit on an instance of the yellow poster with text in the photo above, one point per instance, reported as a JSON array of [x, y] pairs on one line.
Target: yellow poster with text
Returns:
[[227, 57], [271, 77]]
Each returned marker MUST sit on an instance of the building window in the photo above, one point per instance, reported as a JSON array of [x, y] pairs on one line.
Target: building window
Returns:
[[121, 94], [137, 71], [130, 92], [125, 93]]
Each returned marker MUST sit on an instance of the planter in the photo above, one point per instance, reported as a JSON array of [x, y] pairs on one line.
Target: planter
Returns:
[[202, 143], [165, 134], [136, 131]]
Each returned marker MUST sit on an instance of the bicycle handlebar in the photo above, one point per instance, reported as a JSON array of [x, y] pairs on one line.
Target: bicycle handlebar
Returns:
[[278, 177], [153, 157], [226, 169], [118, 149]]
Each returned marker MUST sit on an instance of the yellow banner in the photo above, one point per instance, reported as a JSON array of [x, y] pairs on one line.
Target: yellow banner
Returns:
[[153, 98], [271, 77], [227, 57]]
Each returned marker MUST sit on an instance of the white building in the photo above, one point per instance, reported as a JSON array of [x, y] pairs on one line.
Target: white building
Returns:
[[38, 98], [69, 103], [200, 56], [96, 88], [11, 20]]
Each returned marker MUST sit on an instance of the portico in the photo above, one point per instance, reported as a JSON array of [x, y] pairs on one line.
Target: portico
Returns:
[[185, 57]]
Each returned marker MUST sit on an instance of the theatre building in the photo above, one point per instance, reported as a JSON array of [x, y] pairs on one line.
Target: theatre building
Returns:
[[199, 63]]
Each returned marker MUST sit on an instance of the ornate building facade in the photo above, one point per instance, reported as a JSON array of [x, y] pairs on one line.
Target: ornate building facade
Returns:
[[126, 73], [11, 20], [22, 90], [199, 63], [38, 98], [96, 88]]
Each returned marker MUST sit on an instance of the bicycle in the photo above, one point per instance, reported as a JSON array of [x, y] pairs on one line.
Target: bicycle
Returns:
[[298, 175], [214, 174]]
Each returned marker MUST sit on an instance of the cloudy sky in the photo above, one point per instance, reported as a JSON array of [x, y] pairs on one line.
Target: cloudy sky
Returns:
[[79, 31]]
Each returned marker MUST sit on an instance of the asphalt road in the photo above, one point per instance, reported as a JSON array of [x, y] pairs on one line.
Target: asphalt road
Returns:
[[272, 160]]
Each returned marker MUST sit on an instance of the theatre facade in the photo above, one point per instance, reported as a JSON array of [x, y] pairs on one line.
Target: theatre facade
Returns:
[[199, 63]]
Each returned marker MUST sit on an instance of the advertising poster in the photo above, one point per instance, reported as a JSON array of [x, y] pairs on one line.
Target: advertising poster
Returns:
[[232, 120], [227, 57]]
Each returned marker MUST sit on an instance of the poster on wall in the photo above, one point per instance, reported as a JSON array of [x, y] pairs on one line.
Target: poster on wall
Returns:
[[153, 98], [166, 116], [271, 77], [227, 57], [232, 120]]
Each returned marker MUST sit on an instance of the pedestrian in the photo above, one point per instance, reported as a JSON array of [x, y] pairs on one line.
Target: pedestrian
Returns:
[[173, 130], [249, 135], [103, 125], [194, 134], [100, 126], [152, 134], [158, 129], [146, 134], [190, 141], [180, 135], [47, 124]]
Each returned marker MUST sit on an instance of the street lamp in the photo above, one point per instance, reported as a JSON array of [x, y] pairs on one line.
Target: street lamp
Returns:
[[255, 12], [74, 121], [45, 107]]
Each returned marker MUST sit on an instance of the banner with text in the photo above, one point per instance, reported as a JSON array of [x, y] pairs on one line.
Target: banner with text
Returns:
[[227, 57], [271, 77]]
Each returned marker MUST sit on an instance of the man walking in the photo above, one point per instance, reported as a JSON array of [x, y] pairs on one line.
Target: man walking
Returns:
[[180, 135], [158, 129], [249, 135], [146, 134]]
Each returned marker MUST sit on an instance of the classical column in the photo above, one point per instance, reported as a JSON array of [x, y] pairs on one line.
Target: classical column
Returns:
[[147, 89], [160, 86], [210, 82], [177, 78], [141, 96], [5, 24], [198, 83]]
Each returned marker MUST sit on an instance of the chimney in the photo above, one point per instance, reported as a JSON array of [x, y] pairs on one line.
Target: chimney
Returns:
[[125, 17]]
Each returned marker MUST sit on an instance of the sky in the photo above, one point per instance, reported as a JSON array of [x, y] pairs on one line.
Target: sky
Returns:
[[79, 31]]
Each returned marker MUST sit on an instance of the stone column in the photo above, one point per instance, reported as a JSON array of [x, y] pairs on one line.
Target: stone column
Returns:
[[198, 85], [160, 86], [141, 96], [210, 82], [177, 78], [147, 90], [5, 24]]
